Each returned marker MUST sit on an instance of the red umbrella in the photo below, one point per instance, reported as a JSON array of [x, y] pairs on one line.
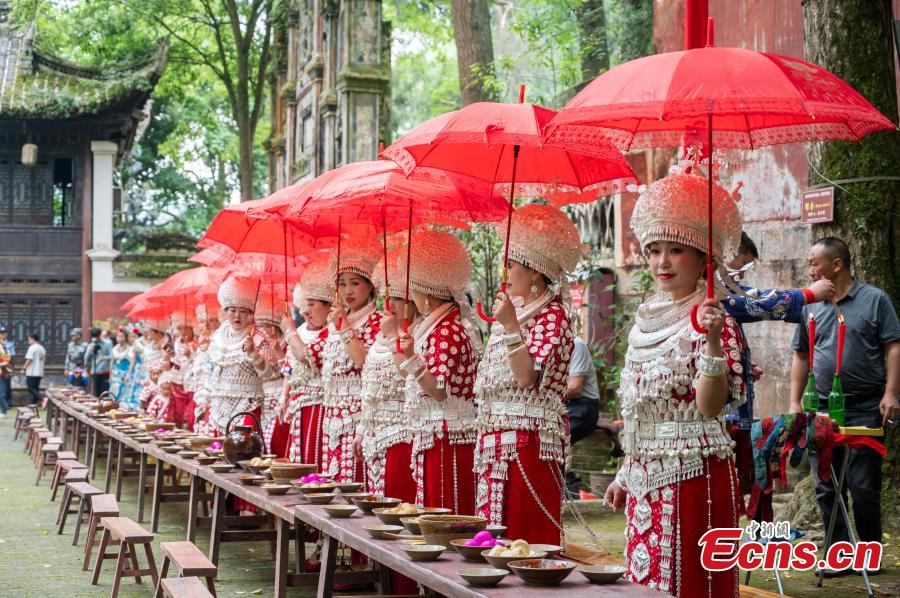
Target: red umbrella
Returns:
[[183, 284], [729, 97], [504, 144], [266, 267]]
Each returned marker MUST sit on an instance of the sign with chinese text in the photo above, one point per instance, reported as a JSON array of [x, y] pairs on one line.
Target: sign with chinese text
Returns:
[[818, 206]]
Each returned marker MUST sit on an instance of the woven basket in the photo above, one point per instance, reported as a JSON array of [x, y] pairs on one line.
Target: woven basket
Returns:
[[441, 529]]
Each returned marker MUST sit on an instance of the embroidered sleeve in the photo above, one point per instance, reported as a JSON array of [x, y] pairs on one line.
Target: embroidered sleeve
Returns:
[[314, 352], [370, 331], [550, 345], [732, 349], [449, 359], [769, 304]]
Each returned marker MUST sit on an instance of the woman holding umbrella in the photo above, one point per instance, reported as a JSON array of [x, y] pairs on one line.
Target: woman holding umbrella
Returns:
[[195, 382], [268, 314], [302, 407], [439, 360], [383, 434], [678, 478], [521, 387], [354, 324]]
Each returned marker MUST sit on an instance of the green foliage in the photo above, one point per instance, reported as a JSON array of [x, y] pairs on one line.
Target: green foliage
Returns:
[[629, 29]]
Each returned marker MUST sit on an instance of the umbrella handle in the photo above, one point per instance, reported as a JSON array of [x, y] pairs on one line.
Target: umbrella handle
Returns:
[[695, 323], [481, 313]]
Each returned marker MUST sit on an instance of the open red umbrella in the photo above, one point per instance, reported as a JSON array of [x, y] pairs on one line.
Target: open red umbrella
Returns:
[[185, 283], [725, 97], [504, 144]]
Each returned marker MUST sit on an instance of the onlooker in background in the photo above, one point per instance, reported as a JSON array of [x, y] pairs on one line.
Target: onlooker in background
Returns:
[[34, 367], [74, 366], [583, 401], [870, 377], [97, 362], [7, 350]]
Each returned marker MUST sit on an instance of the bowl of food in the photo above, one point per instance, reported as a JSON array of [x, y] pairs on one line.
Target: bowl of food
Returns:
[[256, 464], [339, 511], [442, 529], [424, 552], [471, 548], [483, 577], [541, 572], [349, 486], [290, 471], [316, 487], [552, 550], [501, 556], [201, 443], [250, 480], [393, 515], [157, 426], [412, 524], [349, 497], [221, 467], [205, 459], [320, 498], [276, 489], [380, 532], [602, 573], [171, 448], [187, 454], [367, 503]]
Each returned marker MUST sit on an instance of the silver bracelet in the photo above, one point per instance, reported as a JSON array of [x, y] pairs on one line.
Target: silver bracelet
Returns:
[[414, 366], [345, 334], [713, 367], [512, 338], [516, 350]]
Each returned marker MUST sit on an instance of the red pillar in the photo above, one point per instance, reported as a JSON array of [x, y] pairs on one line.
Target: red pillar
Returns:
[[696, 13]]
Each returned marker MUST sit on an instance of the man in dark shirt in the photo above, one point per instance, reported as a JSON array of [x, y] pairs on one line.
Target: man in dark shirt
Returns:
[[870, 376]]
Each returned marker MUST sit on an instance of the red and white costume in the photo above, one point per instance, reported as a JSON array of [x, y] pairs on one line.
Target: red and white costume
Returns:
[[275, 433], [304, 412], [182, 398], [678, 470], [523, 433]]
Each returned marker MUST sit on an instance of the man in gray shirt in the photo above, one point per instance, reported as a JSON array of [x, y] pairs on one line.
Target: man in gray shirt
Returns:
[[583, 401], [870, 377], [74, 367]]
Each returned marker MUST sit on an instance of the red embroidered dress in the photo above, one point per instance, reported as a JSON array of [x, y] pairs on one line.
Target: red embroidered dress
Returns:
[[341, 400], [273, 385], [678, 468], [383, 425], [523, 437], [304, 411], [443, 432], [182, 398]]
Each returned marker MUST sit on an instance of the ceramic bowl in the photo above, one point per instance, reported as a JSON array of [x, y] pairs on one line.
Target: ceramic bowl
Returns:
[[188, 454], [502, 562], [205, 460], [316, 489], [349, 497], [221, 467], [541, 572], [496, 530], [143, 438], [321, 498], [377, 502], [339, 511], [380, 531], [424, 552], [412, 524], [602, 573], [249, 480], [253, 468], [393, 518], [483, 577], [172, 448], [470, 553], [291, 471], [552, 550], [349, 486], [276, 489], [154, 426]]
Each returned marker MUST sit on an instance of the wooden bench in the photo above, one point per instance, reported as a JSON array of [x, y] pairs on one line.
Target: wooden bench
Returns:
[[102, 505], [74, 475], [84, 492], [43, 438], [48, 458], [190, 561], [129, 534], [183, 587], [65, 462], [31, 439], [23, 418]]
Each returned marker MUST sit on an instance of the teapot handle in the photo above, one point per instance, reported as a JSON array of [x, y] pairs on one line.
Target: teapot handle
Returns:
[[253, 415]]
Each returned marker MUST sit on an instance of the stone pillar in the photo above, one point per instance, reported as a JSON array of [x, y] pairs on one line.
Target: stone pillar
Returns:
[[102, 253]]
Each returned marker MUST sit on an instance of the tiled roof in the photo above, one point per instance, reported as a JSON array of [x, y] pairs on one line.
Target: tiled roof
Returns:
[[40, 86]]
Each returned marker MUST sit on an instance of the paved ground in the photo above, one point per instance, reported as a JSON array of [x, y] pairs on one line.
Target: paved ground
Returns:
[[36, 562]]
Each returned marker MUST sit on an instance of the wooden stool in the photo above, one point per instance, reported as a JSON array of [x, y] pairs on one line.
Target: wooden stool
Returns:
[[33, 431], [22, 419], [102, 505], [63, 468], [42, 439], [129, 534], [188, 559], [183, 587], [48, 459], [83, 491]]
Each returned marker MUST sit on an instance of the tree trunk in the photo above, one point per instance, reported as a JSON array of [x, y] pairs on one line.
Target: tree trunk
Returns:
[[474, 49], [853, 39], [594, 46]]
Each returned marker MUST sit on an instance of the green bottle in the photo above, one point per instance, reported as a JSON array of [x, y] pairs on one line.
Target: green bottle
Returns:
[[836, 401], [810, 395]]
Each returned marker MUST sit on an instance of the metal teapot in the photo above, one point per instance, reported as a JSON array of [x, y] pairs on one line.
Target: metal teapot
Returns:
[[241, 443]]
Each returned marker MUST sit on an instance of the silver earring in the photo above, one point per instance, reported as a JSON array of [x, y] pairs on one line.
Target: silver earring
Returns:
[[533, 290], [427, 307]]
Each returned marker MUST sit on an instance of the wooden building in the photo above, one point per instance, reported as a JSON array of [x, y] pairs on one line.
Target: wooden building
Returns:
[[63, 127]]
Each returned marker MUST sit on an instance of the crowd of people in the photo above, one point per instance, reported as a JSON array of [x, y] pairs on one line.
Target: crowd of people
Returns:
[[411, 403]]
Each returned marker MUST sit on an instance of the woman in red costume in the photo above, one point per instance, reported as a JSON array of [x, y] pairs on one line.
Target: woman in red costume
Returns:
[[269, 312], [678, 478], [521, 388]]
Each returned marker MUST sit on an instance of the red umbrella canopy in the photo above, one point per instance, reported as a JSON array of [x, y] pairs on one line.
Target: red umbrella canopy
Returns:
[[183, 284], [266, 267], [479, 140], [754, 99]]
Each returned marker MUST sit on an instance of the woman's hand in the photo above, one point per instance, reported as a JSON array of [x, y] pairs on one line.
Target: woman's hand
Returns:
[[406, 344], [338, 313], [357, 447], [505, 312], [615, 496], [287, 324], [249, 346], [712, 317]]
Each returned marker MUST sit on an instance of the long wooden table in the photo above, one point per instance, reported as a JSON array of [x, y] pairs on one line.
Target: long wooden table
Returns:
[[292, 511]]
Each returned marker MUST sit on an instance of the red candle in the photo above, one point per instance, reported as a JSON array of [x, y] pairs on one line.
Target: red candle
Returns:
[[812, 340], [842, 331]]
